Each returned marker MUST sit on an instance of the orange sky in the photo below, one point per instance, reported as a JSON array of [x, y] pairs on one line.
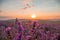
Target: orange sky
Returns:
[[39, 15], [23, 9]]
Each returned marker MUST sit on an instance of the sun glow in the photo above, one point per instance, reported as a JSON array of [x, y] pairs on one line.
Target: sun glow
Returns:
[[33, 16]]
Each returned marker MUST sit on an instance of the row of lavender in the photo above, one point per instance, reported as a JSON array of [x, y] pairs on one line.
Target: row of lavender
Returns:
[[31, 30]]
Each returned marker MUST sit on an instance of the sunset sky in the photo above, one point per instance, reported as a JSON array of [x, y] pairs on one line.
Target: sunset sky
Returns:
[[23, 9]]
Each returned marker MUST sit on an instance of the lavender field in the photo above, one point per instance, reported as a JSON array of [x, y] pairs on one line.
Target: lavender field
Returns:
[[29, 30]]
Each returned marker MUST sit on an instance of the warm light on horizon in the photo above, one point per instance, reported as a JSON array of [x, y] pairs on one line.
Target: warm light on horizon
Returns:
[[33, 16]]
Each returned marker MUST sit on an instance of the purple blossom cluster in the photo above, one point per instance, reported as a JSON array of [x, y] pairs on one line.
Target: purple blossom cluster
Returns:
[[31, 30]]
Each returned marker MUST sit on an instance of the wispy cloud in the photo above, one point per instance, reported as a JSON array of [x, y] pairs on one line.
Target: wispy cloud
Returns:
[[27, 4]]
